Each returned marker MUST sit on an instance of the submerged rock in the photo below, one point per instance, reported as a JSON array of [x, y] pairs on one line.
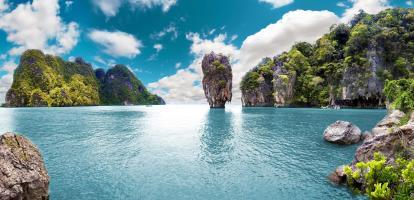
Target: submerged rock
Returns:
[[338, 176], [342, 132], [23, 173], [217, 80]]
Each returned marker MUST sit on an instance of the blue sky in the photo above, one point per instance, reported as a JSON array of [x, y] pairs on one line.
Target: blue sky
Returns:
[[163, 41]]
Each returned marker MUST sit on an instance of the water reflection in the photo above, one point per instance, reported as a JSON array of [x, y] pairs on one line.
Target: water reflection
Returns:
[[217, 137]]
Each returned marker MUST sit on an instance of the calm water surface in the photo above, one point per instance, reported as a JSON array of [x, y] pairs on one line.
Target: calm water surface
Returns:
[[187, 152]]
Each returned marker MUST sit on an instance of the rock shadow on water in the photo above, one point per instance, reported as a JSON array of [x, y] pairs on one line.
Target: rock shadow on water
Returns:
[[217, 135]]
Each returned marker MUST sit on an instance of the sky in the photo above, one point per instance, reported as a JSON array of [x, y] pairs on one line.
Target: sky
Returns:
[[164, 41]]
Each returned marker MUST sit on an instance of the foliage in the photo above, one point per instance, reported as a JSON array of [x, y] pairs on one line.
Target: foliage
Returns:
[[250, 81], [120, 86], [400, 93], [347, 53], [380, 180], [46, 80]]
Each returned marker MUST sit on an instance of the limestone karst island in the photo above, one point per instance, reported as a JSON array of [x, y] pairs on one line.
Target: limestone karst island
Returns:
[[219, 99]]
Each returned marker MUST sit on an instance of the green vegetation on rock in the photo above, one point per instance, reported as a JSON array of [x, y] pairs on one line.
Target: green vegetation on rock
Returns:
[[121, 87], [400, 93], [347, 66], [46, 80]]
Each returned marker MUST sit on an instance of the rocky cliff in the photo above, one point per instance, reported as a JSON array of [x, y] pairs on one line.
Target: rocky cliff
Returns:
[[217, 80], [119, 86], [23, 173], [347, 66], [46, 80]]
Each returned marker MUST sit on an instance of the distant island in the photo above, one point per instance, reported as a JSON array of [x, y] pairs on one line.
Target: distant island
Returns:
[[45, 80], [347, 67]]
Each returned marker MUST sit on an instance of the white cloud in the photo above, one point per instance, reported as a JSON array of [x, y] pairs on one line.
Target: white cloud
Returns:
[[3, 5], [410, 3], [110, 8], [295, 26], [104, 63], [369, 6], [277, 3], [234, 37], [165, 4], [117, 43], [7, 79], [38, 26], [5, 83], [170, 29], [342, 5], [68, 3], [158, 47], [177, 65]]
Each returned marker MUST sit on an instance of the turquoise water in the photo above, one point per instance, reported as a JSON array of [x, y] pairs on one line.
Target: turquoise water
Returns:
[[187, 152]]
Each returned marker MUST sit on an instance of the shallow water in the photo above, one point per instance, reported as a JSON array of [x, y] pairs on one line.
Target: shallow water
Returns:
[[188, 152]]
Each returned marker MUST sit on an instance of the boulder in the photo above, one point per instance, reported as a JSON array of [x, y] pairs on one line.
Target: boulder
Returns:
[[23, 173], [217, 80], [342, 132]]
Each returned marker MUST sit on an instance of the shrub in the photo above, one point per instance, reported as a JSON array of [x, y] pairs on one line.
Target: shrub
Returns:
[[380, 180]]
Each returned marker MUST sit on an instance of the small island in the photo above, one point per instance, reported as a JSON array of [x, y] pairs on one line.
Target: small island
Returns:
[[44, 80]]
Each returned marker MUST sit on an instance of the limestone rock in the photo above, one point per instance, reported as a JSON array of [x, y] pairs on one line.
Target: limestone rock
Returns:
[[342, 132], [396, 141], [283, 85], [23, 173], [389, 122], [217, 80]]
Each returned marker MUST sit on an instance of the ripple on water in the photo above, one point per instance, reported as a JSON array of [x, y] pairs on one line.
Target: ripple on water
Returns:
[[188, 152]]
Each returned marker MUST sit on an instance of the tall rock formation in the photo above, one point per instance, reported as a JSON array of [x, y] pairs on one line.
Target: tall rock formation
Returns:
[[217, 80], [23, 174]]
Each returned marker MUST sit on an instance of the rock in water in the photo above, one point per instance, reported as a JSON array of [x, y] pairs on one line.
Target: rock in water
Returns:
[[217, 80], [342, 132], [338, 176], [23, 173]]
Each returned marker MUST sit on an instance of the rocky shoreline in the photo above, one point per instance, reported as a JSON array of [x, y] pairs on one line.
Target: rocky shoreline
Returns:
[[388, 143]]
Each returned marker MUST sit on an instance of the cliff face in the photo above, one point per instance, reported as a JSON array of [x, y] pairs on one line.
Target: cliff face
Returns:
[[119, 86], [45, 80], [217, 80], [348, 66], [257, 86], [23, 173]]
